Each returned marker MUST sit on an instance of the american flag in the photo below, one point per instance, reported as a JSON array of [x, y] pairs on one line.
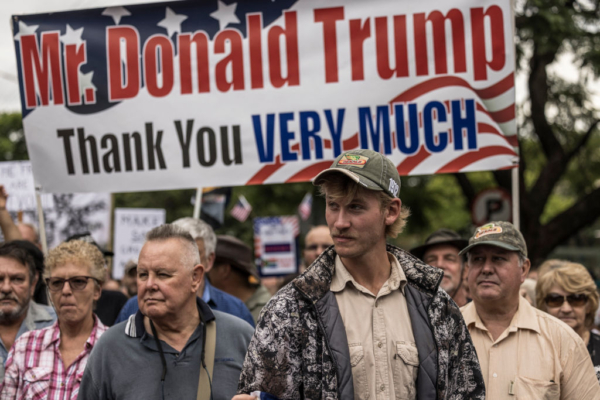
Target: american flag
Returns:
[[242, 209], [305, 207]]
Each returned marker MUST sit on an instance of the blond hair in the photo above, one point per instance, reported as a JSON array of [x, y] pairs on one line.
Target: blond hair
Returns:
[[551, 264], [342, 187], [77, 252], [573, 278]]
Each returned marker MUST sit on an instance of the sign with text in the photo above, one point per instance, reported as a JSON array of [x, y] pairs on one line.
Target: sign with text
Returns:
[[178, 94], [17, 179], [131, 226], [275, 245]]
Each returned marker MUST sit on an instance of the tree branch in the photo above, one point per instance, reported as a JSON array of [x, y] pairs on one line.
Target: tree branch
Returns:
[[583, 141], [466, 187]]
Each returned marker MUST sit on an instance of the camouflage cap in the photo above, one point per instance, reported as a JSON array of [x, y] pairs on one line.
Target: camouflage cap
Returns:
[[502, 234], [369, 168]]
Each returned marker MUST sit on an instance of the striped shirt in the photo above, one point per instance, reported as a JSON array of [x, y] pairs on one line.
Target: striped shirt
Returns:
[[35, 369]]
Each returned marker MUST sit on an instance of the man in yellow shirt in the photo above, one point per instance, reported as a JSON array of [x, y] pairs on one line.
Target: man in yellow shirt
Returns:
[[524, 353]]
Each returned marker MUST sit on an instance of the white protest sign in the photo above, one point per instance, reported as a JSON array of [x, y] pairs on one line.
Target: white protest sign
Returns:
[[131, 226], [268, 92], [275, 245], [17, 178]]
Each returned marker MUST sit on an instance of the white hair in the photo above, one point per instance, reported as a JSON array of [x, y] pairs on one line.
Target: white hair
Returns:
[[199, 229]]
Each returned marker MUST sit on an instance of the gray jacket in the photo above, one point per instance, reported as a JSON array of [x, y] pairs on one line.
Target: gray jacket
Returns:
[[300, 350]]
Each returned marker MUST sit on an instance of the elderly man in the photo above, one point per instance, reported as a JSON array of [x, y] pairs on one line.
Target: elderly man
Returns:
[[366, 320], [441, 250], [317, 240], [234, 272], [18, 312], [524, 352], [206, 240], [159, 352]]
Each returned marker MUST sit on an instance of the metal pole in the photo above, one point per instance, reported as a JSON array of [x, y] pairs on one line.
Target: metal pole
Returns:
[[515, 198], [198, 203], [42, 225]]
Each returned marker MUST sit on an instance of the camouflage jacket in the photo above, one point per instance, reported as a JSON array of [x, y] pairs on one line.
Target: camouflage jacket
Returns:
[[300, 351]]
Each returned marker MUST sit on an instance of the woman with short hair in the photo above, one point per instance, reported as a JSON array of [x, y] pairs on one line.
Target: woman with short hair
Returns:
[[570, 294], [49, 363]]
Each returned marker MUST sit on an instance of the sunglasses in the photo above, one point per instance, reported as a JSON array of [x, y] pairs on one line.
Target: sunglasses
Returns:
[[75, 283], [556, 300]]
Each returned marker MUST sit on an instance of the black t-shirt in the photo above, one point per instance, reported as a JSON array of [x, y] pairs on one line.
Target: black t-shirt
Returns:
[[109, 305]]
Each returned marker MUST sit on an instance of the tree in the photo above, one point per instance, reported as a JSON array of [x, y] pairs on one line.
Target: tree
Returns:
[[559, 128]]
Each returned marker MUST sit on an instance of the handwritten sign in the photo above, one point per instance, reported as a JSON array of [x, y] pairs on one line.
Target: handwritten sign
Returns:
[[131, 226], [17, 178]]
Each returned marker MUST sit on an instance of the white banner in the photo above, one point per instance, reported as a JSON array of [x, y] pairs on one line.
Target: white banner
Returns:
[[17, 178], [187, 94], [131, 226]]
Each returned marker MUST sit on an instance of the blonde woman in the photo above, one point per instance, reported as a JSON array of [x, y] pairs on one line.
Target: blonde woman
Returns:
[[49, 363], [569, 293]]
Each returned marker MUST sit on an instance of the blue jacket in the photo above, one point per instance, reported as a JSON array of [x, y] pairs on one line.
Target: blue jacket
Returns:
[[215, 298]]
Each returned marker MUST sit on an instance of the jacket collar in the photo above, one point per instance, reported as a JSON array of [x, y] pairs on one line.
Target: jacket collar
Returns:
[[37, 313], [316, 281], [135, 323]]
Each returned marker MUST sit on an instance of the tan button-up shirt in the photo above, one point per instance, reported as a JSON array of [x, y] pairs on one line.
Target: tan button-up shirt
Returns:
[[536, 357], [383, 354]]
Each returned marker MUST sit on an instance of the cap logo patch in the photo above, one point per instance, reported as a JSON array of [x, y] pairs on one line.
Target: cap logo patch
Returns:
[[488, 229], [394, 188], [354, 160]]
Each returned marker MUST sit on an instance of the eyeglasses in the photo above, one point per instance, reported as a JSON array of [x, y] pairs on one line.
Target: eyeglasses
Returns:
[[556, 300], [75, 283]]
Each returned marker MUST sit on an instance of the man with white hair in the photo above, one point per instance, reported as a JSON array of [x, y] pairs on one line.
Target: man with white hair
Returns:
[[171, 344], [206, 240]]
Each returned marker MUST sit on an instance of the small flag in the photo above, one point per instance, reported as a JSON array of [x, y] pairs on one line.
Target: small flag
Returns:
[[305, 207], [242, 209]]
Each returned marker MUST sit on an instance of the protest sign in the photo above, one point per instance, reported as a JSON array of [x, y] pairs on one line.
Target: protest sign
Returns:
[[131, 226], [186, 94], [65, 214], [17, 179], [275, 245]]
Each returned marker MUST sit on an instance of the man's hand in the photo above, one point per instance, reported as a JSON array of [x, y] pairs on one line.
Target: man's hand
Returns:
[[3, 197], [243, 397]]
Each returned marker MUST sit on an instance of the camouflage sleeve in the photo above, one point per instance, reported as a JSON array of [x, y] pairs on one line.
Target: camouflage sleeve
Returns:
[[459, 375], [273, 362]]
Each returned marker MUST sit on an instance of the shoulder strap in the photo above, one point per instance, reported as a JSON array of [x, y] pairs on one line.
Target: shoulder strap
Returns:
[[205, 382]]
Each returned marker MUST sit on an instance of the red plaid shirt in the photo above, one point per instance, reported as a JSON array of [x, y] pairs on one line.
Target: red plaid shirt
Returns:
[[35, 369]]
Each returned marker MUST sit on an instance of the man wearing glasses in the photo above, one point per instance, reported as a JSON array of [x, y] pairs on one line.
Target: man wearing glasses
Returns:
[[523, 352]]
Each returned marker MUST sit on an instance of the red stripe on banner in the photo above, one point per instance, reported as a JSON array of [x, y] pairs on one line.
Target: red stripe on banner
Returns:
[[447, 81], [411, 162], [487, 128], [309, 172], [350, 143], [497, 89], [500, 116], [265, 172], [465, 160]]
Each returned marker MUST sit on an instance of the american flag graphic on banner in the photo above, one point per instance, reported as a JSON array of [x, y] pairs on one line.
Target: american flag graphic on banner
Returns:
[[225, 93], [305, 207], [241, 210]]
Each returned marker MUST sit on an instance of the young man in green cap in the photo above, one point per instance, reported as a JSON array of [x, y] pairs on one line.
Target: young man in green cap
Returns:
[[524, 353], [367, 319]]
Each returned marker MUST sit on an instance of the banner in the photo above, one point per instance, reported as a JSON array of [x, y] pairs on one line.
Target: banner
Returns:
[[187, 94], [131, 226], [275, 245]]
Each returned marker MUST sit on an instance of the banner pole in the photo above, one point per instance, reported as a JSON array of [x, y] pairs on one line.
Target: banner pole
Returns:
[[515, 198], [42, 225], [198, 203]]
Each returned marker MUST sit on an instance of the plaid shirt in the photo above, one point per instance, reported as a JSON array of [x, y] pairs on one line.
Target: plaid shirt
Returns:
[[35, 369]]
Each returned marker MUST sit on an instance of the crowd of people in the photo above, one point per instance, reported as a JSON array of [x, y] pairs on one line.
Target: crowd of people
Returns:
[[453, 318]]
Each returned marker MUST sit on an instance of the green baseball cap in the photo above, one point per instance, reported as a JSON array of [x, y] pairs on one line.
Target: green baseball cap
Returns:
[[502, 234], [369, 168]]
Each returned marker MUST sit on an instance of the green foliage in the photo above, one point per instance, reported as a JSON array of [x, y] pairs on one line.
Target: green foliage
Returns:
[[12, 139]]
